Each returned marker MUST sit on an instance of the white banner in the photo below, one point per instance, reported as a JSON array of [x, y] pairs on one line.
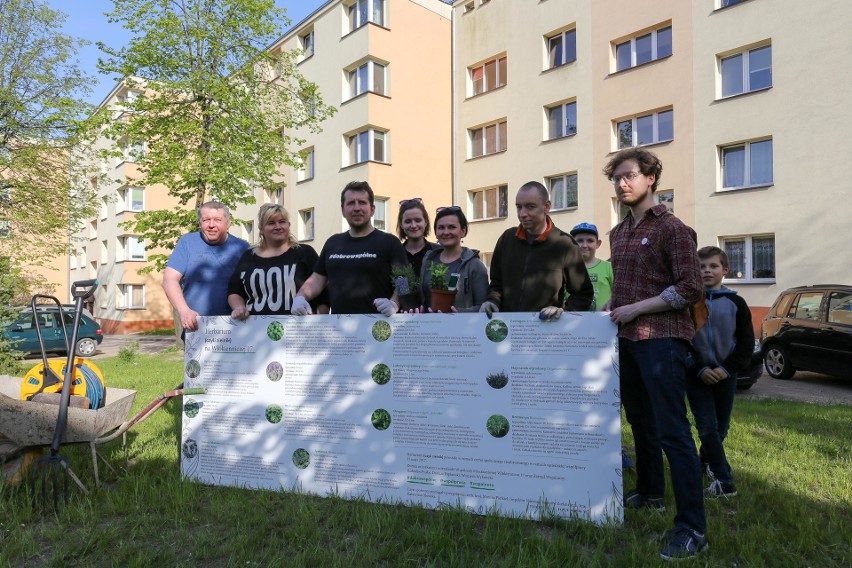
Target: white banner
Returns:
[[510, 414]]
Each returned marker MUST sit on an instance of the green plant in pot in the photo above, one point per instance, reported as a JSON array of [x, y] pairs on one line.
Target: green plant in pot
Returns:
[[407, 285], [439, 282]]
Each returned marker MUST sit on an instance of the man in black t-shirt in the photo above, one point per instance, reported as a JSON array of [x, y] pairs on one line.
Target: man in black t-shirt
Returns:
[[355, 265]]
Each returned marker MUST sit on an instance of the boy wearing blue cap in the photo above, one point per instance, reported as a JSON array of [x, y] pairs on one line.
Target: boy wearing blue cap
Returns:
[[600, 271]]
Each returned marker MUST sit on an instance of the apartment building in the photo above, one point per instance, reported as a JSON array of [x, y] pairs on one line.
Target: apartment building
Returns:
[[385, 65], [746, 113]]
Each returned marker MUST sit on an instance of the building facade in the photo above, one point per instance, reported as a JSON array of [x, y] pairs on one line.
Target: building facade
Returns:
[[745, 112]]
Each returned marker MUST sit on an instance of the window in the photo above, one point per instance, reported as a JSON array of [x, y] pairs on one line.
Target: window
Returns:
[[807, 306], [643, 49], [104, 208], [367, 145], [491, 203], [840, 308], [488, 139], [133, 198], [306, 224], [752, 258], [563, 191], [488, 76], [369, 76], [248, 231], [646, 129], [561, 48], [665, 197], [132, 296], [468, 7], [747, 71], [726, 3], [363, 11], [380, 216], [305, 172], [130, 152], [306, 42], [104, 251], [134, 248], [561, 120], [746, 165]]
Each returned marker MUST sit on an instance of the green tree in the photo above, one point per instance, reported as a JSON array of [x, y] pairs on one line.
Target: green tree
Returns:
[[214, 123], [42, 117]]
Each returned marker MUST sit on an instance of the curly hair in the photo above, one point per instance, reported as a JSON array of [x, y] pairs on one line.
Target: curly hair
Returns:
[[649, 164]]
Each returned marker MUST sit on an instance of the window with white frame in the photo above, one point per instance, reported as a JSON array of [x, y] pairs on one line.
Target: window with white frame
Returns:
[[487, 76], [489, 203], [747, 164], [665, 197], [104, 208], [130, 152], [644, 48], [306, 171], [561, 48], [306, 42], [132, 198], [380, 216], [248, 231], [746, 71], [367, 145], [306, 224], [104, 251], [561, 120], [563, 191], [726, 3], [134, 248], [363, 11], [488, 139], [751, 257], [369, 76], [132, 296], [645, 129]]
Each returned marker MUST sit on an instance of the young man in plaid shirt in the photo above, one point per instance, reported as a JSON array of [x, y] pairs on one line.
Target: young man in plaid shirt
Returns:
[[657, 279]]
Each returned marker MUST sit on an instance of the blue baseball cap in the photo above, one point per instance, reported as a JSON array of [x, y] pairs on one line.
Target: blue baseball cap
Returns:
[[584, 228]]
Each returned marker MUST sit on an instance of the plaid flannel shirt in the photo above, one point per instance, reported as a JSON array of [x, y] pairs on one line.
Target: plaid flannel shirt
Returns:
[[656, 257]]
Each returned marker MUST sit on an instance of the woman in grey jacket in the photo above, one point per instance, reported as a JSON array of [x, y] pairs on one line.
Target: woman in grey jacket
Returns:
[[450, 229]]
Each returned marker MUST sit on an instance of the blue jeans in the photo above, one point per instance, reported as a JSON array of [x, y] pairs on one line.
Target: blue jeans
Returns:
[[653, 384], [711, 407]]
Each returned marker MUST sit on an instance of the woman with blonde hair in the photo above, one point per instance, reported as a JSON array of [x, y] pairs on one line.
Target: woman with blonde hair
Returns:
[[269, 274]]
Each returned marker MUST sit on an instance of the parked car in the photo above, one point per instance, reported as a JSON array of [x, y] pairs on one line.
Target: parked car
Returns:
[[23, 331], [809, 328], [747, 377]]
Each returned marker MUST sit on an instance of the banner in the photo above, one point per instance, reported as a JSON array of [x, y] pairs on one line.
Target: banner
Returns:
[[510, 414]]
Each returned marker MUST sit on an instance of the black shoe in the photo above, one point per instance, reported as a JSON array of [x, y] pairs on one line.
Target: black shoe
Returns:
[[719, 489], [635, 500], [683, 543]]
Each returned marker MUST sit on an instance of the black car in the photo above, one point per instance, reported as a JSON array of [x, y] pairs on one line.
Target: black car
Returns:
[[748, 376], [809, 328]]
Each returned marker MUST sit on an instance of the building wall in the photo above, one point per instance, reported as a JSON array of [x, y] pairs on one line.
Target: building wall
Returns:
[[416, 111], [805, 112]]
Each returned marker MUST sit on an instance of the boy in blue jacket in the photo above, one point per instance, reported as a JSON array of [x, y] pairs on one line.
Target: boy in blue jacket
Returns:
[[721, 348]]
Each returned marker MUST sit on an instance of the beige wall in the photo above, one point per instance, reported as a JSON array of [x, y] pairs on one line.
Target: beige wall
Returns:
[[806, 112], [416, 111]]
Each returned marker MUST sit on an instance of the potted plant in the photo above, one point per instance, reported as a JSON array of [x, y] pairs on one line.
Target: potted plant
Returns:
[[439, 282], [407, 285]]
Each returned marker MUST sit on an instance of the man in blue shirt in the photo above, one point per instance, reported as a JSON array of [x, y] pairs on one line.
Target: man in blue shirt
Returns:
[[198, 270]]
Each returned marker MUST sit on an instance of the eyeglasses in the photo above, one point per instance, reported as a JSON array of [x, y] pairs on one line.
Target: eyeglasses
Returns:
[[412, 200], [450, 208], [628, 177]]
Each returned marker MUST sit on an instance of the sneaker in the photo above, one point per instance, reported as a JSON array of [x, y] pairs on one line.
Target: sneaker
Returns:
[[720, 489], [683, 543], [635, 500]]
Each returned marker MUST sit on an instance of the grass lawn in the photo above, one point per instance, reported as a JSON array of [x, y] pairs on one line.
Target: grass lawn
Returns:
[[792, 462]]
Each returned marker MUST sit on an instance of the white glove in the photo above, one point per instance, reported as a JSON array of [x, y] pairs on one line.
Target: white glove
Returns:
[[300, 306], [386, 306], [488, 308], [550, 313]]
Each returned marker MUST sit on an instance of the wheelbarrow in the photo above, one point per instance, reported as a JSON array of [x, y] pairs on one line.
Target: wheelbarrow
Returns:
[[28, 425]]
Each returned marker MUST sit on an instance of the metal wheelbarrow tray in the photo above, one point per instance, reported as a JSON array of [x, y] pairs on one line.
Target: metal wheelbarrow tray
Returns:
[[32, 424]]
